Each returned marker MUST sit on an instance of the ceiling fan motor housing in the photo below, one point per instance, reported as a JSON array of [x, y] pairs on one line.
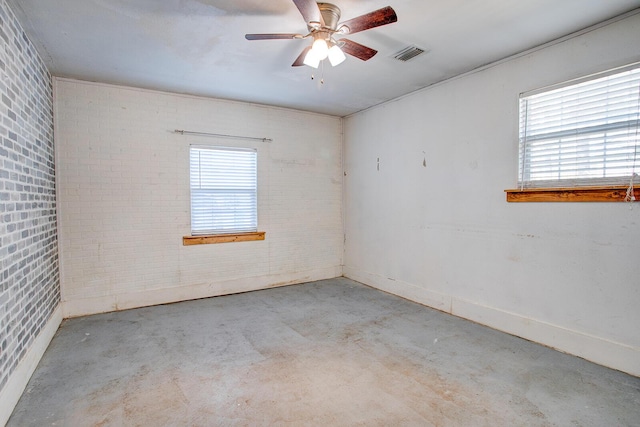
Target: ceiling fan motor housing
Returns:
[[330, 14]]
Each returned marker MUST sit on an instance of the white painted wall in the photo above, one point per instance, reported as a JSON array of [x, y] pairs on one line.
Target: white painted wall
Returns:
[[123, 184], [562, 274]]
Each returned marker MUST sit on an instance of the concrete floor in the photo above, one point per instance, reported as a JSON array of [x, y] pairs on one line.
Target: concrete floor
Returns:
[[325, 353]]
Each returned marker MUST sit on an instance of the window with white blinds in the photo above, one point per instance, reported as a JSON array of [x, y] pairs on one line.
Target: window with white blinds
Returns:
[[223, 190], [581, 133]]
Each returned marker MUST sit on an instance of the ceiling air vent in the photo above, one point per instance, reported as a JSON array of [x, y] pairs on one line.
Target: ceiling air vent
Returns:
[[408, 53]]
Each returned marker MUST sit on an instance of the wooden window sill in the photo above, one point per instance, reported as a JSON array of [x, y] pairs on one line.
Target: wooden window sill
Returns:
[[574, 194], [222, 238]]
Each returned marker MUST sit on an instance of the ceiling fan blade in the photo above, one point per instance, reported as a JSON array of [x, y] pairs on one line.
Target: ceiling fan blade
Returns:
[[379, 17], [300, 60], [356, 49], [272, 36], [309, 11]]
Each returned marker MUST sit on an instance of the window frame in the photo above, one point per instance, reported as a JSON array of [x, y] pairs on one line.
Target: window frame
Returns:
[[207, 236], [575, 189]]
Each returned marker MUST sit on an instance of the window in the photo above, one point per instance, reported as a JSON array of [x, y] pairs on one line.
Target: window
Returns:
[[223, 190], [581, 133]]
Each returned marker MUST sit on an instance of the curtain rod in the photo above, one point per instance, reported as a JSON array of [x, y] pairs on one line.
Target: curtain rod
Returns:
[[188, 132]]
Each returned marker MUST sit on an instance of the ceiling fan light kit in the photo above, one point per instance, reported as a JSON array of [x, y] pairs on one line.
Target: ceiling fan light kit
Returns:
[[320, 48], [311, 59], [336, 55], [320, 51], [322, 21]]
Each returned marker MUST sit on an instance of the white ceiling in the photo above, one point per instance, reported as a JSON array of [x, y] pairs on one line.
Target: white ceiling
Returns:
[[198, 46]]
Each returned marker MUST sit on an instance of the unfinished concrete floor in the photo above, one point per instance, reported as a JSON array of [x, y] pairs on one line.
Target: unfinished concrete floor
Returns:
[[332, 352]]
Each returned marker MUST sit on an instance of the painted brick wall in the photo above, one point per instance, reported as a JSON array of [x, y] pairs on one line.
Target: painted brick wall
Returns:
[[29, 281], [124, 197]]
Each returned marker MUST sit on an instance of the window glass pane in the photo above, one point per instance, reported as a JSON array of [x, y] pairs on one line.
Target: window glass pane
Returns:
[[584, 133], [223, 190]]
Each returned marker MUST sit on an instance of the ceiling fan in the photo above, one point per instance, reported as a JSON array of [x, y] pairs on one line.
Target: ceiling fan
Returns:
[[323, 24]]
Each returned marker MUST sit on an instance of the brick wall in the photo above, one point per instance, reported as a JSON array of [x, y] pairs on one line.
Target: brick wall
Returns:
[[124, 197], [29, 282]]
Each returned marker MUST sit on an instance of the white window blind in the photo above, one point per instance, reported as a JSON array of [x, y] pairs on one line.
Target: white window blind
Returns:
[[223, 190], [581, 133]]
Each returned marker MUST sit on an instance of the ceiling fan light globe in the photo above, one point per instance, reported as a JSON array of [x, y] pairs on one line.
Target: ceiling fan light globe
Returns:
[[320, 48], [336, 56], [311, 59]]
